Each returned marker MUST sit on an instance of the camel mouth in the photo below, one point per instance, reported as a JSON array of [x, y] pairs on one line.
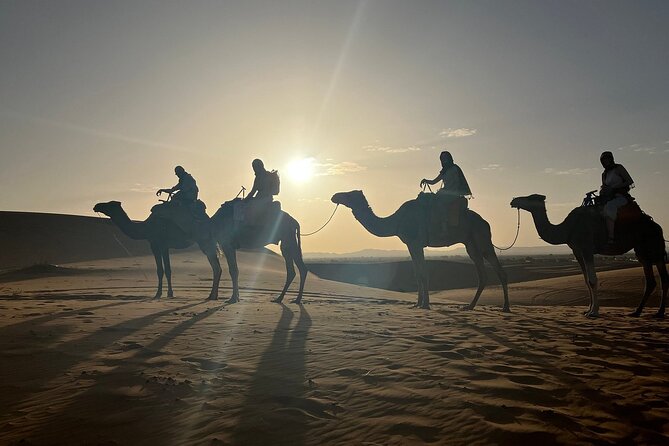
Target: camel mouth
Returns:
[[336, 198], [97, 207], [514, 203]]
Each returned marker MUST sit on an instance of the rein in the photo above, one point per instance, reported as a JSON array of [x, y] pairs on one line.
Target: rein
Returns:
[[515, 239], [326, 223]]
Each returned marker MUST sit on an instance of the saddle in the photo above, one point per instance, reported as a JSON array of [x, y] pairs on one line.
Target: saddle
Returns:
[[191, 218], [255, 223], [442, 214]]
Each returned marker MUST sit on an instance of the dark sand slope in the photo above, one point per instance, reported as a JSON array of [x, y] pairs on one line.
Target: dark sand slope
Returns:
[[28, 238], [88, 359]]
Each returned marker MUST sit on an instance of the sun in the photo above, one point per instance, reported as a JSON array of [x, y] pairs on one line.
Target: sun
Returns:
[[300, 170]]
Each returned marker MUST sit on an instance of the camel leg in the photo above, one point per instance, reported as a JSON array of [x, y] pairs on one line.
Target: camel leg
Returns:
[[168, 271], [302, 268], [418, 260], [287, 254], [648, 289], [231, 258], [212, 257], [491, 257], [477, 257], [581, 263], [159, 270], [664, 278], [587, 263]]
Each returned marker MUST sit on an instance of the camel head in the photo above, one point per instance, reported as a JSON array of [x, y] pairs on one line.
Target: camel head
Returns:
[[353, 199], [529, 203], [108, 208]]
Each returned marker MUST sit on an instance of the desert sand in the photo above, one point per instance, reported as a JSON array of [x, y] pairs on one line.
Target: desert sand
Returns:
[[89, 358]]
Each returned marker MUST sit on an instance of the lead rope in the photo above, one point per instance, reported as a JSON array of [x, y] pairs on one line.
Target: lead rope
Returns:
[[326, 223], [515, 239]]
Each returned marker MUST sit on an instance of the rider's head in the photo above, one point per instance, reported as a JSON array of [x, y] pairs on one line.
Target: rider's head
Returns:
[[446, 159], [179, 171], [258, 165], [606, 158]]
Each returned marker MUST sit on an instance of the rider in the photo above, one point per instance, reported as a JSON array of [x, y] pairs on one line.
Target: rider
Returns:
[[186, 189], [454, 183], [261, 189], [614, 193]]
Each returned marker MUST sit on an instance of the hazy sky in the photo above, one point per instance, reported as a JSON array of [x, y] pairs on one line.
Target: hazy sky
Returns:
[[99, 100]]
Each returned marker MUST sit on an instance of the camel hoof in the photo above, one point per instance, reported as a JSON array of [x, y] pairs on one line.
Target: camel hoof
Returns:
[[170, 294], [157, 296], [467, 308], [232, 300], [506, 310], [297, 301], [212, 297], [659, 315], [592, 315], [635, 314], [278, 300]]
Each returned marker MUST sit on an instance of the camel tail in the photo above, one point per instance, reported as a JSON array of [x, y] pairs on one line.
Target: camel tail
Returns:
[[299, 237]]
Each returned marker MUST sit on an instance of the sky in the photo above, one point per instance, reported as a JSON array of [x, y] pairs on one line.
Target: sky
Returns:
[[99, 100]]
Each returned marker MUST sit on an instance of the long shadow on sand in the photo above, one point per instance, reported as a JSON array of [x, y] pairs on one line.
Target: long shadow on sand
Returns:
[[275, 410], [65, 356], [124, 370]]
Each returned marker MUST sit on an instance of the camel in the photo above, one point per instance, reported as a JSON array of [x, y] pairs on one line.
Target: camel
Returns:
[[584, 231], [162, 234], [408, 223], [282, 229]]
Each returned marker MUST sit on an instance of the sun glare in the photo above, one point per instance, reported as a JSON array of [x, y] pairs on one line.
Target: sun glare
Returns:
[[300, 170]]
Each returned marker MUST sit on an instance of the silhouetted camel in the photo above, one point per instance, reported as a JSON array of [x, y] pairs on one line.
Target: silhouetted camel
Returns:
[[162, 234], [584, 231], [406, 223], [232, 235]]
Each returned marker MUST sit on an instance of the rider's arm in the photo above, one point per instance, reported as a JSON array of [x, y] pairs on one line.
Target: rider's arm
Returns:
[[627, 179], [431, 182], [254, 189]]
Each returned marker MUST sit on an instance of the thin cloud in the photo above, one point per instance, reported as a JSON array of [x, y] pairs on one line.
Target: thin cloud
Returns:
[[492, 167], [386, 149], [144, 188], [574, 171], [457, 133], [638, 148], [341, 168]]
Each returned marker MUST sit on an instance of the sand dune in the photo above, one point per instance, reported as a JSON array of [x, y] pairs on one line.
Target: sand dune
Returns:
[[90, 359], [28, 238]]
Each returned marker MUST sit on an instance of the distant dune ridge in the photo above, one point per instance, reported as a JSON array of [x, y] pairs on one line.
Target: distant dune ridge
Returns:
[[27, 238]]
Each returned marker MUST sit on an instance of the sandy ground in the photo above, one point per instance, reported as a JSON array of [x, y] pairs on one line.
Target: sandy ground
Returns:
[[89, 358]]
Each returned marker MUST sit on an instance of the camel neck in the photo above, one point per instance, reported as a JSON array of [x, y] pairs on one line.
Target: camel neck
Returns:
[[134, 230], [550, 233], [380, 227]]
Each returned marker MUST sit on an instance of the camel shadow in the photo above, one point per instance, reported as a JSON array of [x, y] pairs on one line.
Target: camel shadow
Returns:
[[127, 368], [275, 410]]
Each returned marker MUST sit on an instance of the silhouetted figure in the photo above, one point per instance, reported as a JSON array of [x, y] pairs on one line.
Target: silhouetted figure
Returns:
[[454, 188], [614, 193], [585, 233], [163, 234], [409, 224], [259, 199], [186, 189]]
